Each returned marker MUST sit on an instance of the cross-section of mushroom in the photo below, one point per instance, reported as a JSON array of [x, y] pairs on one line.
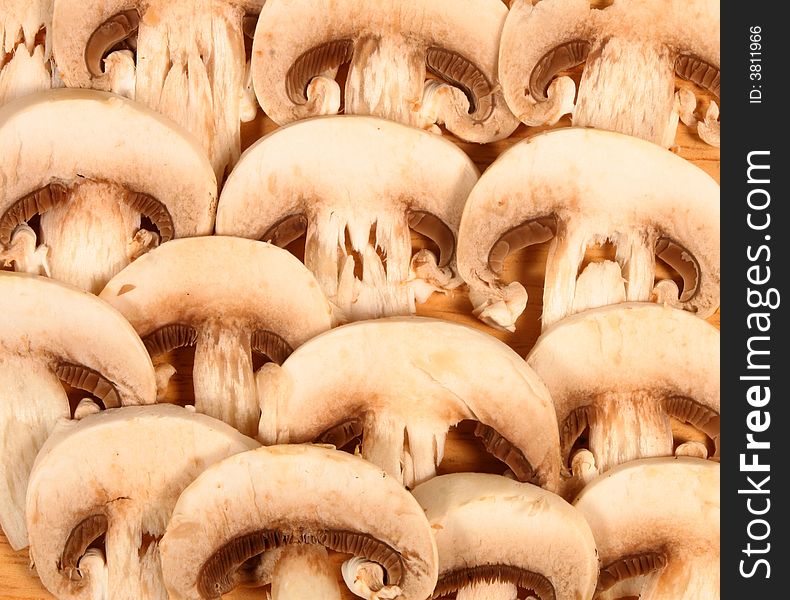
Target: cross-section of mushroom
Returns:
[[230, 298], [401, 383], [184, 59], [633, 49], [52, 333], [355, 185], [99, 169], [583, 187], [419, 62], [498, 538], [656, 526], [102, 491], [26, 64], [269, 516], [616, 376]]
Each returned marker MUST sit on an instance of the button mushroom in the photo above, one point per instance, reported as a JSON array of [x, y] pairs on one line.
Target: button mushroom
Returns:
[[497, 537], [230, 298], [52, 333], [93, 165], [26, 64], [582, 187], [656, 526], [184, 59], [401, 383], [355, 185], [391, 47], [617, 374], [633, 49], [267, 516], [102, 491]]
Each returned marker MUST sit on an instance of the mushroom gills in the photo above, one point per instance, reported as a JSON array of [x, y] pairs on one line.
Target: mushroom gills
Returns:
[[221, 573], [680, 260], [493, 582], [459, 72], [696, 70], [116, 33], [82, 536], [505, 451], [631, 567], [83, 378], [316, 62], [561, 58]]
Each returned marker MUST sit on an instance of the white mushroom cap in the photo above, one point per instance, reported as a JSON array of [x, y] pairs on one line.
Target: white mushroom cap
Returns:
[[269, 497], [632, 49], [624, 370], [344, 177], [584, 187], [117, 474], [50, 332], [391, 46], [657, 519], [490, 529], [402, 383], [66, 136], [229, 297]]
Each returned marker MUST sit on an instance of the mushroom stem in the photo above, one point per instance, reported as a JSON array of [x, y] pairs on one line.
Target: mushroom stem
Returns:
[[566, 253], [27, 71], [88, 235], [133, 572], [628, 426], [191, 67], [612, 95], [485, 590], [304, 571], [33, 401], [383, 70], [636, 256], [223, 376]]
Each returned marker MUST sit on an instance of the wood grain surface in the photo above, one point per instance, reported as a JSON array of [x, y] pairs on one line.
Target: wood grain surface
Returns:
[[463, 453]]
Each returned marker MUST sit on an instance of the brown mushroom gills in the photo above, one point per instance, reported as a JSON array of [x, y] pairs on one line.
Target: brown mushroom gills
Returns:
[[315, 62], [85, 533], [116, 33], [458, 71], [88, 227], [460, 583], [223, 570], [563, 57]]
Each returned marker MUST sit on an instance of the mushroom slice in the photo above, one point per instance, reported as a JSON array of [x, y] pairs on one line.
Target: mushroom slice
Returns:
[[109, 483], [407, 380], [497, 538], [418, 62], [620, 372], [51, 332], [632, 51], [183, 59], [289, 504], [656, 526], [26, 64], [355, 185], [589, 187], [229, 297], [93, 165]]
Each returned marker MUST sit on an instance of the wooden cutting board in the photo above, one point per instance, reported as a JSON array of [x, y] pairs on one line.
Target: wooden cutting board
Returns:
[[463, 452]]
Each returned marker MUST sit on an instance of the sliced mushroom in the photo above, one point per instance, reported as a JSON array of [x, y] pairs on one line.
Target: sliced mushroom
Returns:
[[184, 59], [107, 484], [355, 185], [92, 164], [656, 526], [52, 333], [26, 64], [497, 538], [253, 517], [617, 374], [633, 49], [586, 187], [391, 47], [229, 297], [403, 382]]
